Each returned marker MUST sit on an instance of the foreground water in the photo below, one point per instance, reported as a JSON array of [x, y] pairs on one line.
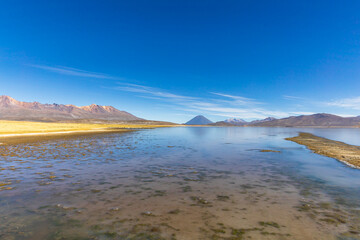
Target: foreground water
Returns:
[[179, 183]]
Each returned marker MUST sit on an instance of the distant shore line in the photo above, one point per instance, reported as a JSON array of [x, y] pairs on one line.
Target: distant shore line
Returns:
[[26, 131], [209, 125], [345, 153], [12, 132], [41, 136], [56, 133]]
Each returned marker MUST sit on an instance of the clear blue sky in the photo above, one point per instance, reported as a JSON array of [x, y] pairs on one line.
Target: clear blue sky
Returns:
[[171, 60]]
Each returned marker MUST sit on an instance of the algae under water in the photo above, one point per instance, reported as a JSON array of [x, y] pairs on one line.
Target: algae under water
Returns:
[[178, 183]]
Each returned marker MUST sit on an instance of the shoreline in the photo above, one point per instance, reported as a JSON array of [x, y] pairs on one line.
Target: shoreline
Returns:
[[18, 138], [53, 133], [13, 132], [344, 153]]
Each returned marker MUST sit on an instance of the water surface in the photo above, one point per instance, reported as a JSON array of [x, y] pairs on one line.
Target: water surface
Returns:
[[179, 183]]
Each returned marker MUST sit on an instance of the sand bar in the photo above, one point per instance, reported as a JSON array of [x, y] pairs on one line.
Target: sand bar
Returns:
[[346, 153]]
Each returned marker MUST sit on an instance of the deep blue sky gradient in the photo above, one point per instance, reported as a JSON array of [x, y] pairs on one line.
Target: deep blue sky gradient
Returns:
[[165, 60]]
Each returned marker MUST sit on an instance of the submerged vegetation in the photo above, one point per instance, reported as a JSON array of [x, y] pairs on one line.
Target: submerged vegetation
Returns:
[[134, 186]]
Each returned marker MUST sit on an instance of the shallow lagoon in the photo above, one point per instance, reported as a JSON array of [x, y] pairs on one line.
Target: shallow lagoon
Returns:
[[179, 183]]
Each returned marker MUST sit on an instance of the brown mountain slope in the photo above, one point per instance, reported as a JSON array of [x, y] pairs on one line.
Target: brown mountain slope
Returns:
[[11, 109], [318, 120], [222, 124]]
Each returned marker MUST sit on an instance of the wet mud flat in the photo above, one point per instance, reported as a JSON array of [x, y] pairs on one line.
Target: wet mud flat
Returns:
[[346, 153], [137, 185]]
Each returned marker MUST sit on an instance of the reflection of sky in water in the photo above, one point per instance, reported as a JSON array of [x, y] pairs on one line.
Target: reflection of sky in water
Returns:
[[149, 170], [235, 149], [236, 144]]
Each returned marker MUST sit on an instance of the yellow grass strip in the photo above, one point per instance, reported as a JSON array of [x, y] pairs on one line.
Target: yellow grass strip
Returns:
[[21, 127], [346, 153]]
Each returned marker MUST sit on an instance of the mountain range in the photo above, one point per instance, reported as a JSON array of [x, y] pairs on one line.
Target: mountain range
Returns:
[[235, 121], [11, 109], [318, 120], [314, 120], [268, 119], [241, 122]]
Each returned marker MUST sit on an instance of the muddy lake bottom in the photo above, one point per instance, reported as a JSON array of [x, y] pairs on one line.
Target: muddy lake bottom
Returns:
[[179, 183]]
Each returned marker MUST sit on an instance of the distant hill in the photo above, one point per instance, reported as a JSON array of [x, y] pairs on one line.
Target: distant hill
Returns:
[[315, 120], [236, 121], [231, 122], [223, 124], [199, 120], [263, 120], [11, 109]]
